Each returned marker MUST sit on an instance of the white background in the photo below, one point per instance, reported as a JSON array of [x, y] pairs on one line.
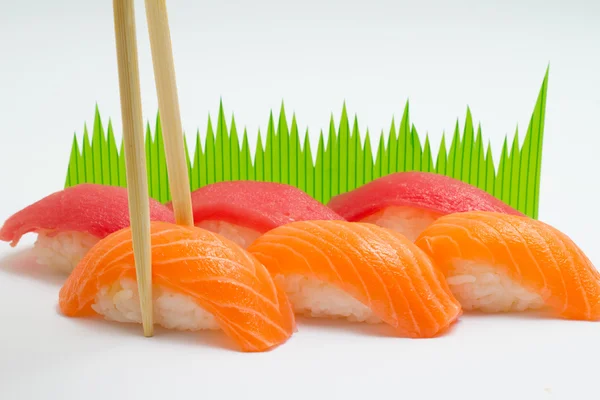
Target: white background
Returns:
[[57, 61]]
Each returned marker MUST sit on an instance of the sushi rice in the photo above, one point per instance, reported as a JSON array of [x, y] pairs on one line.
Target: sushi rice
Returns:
[[485, 288], [315, 298], [409, 221], [62, 251], [120, 302], [240, 235]]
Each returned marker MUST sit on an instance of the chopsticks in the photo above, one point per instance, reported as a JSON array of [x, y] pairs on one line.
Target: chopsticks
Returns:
[[168, 105], [133, 135], [135, 155]]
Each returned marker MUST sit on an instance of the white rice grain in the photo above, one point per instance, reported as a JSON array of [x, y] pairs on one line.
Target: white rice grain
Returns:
[[62, 251], [240, 235], [120, 302], [408, 221], [315, 298], [486, 288]]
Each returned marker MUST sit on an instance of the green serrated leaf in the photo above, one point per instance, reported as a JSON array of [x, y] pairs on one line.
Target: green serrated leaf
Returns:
[[246, 168], [344, 153], [490, 172], [220, 147], [392, 149], [320, 169], [536, 134], [234, 150], [295, 155], [515, 162], [210, 163], [113, 156], [163, 191], [307, 174], [331, 185], [504, 173], [354, 156], [284, 150], [427, 160], [379, 160], [188, 161], [88, 158], [403, 138], [97, 148], [441, 165], [478, 167], [271, 153], [122, 170], [198, 165], [343, 164], [259, 160], [451, 168], [73, 167], [368, 160], [417, 150], [466, 151]]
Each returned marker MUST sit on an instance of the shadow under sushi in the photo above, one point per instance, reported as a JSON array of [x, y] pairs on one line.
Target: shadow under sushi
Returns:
[[206, 338], [380, 330], [23, 263], [543, 314]]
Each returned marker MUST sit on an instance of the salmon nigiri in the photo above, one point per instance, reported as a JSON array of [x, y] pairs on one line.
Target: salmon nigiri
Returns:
[[243, 210], [408, 202], [201, 281], [358, 271], [496, 262]]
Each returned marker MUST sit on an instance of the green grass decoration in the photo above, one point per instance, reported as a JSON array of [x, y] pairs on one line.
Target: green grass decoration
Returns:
[[343, 161]]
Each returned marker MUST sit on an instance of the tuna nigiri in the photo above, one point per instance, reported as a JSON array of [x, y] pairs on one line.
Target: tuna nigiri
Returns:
[[201, 281], [408, 202], [243, 210], [69, 222], [358, 271], [497, 262]]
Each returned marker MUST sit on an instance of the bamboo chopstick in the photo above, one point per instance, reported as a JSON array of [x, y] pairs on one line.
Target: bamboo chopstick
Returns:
[[135, 156], [168, 105]]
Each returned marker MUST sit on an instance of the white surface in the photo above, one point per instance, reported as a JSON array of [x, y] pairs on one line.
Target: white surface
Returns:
[[58, 60]]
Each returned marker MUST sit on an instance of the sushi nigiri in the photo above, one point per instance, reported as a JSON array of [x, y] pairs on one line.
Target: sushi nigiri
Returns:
[[496, 262], [69, 222], [201, 281], [360, 272], [408, 202], [243, 210]]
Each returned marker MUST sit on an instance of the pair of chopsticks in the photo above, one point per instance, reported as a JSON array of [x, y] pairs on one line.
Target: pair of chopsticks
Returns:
[[133, 135]]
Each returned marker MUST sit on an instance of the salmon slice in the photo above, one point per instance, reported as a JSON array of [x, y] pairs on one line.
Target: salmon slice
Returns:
[[498, 262], [201, 280], [358, 271]]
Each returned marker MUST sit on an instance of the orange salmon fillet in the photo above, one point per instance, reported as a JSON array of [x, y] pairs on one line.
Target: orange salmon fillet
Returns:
[[216, 274], [378, 267], [532, 253]]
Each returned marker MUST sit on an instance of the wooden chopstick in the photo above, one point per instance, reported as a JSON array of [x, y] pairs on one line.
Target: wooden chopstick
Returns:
[[135, 156], [168, 105]]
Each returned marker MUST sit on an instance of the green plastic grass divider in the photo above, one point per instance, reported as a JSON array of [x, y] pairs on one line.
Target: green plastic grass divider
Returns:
[[344, 157]]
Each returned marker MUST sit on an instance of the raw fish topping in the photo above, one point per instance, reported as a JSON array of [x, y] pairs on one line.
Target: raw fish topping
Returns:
[[429, 191], [91, 208]]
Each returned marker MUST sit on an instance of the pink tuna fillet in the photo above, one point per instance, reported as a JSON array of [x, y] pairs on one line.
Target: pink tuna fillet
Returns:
[[243, 210], [69, 222], [409, 201], [97, 210]]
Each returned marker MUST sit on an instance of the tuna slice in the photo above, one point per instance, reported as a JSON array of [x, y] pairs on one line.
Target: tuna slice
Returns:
[[243, 210], [69, 222], [408, 202]]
